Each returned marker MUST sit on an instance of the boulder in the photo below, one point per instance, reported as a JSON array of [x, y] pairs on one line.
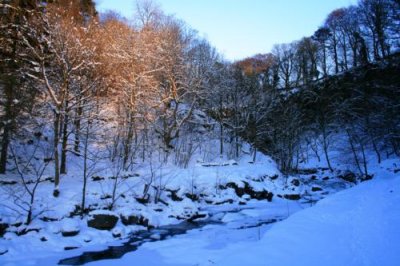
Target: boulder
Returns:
[[197, 216], [274, 177], [314, 189], [248, 190], [3, 228], [70, 247], [349, 177], [262, 195], [97, 178], [230, 201], [70, 227], [295, 182], [366, 178], [118, 232], [102, 220], [174, 195], [134, 219], [3, 250], [292, 196], [307, 171], [193, 197]]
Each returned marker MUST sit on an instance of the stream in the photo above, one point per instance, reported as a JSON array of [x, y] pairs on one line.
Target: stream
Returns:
[[165, 232]]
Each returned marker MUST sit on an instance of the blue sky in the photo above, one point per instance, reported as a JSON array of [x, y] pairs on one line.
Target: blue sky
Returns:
[[241, 28]]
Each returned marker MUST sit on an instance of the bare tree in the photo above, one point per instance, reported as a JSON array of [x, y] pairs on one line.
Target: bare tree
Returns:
[[30, 170]]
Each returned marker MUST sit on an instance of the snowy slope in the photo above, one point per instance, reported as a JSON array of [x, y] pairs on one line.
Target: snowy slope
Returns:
[[359, 226]]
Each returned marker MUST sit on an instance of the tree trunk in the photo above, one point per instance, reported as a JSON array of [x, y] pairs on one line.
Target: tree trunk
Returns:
[[4, 149], [353, 149], [365, 163], [63, 167], [345, 53], [221, 138], [56, 191], [128, 142], [324, 63], [325, 146], [77, 130], [9, 119], [85, 169], [335, 55]]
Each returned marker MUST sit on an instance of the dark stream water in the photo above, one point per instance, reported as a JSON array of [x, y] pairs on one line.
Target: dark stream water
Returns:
[[141, 237]]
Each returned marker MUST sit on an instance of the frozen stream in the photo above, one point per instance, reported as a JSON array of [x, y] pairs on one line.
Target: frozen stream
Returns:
[[192, 243]]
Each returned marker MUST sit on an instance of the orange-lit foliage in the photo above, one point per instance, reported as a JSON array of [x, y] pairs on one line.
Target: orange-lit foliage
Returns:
[[257, 64]]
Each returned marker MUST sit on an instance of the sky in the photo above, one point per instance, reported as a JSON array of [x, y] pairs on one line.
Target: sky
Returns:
[[242, 28]]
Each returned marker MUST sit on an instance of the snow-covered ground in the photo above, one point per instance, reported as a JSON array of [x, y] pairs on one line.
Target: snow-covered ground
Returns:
[[263, 217], [358, 226], [216, 184]]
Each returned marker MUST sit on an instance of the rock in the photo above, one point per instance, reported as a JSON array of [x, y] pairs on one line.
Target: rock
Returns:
[[3, 250], [118, 232], [38, 134], [174, 195], [262, 195], [70, 248], [87, 238], [349, 177], [193, 197], [48, 219], [314, 189], [70, 227], [248, 190], [307, 171], [3, 228], [25, 231], [43, 239], [238, 190], [102, 220], [230, 201], [325, 178], [273, 177], [144, 200], [292, 196], [105, 196], [197, 216], [366, 178], [47, 160], [97, 178], [69, 233], [8, 182], [133, 219], [295, 182], [49, 179], [56, 193]]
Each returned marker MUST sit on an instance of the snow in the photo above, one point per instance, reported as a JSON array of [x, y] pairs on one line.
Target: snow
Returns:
[[358, 226], [70, 225], [103, 212], [355, 227]]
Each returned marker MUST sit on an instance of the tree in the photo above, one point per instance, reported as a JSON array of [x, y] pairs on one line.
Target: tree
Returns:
[[285, 56], [60, 56], [321, 36], [375, 15], [333, 23], [14, 88]]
